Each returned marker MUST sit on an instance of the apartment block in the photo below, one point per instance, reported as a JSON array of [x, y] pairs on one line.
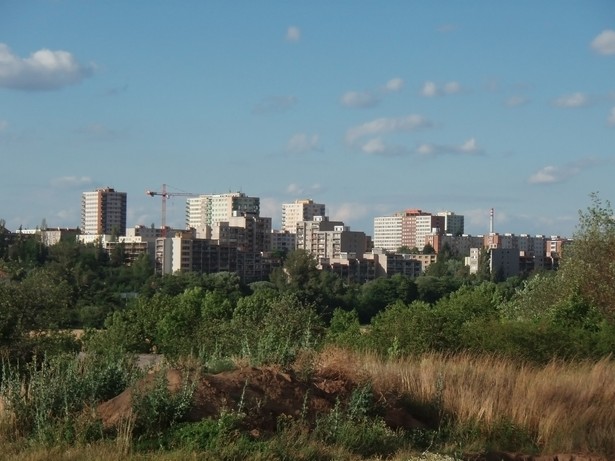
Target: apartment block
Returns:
[[103, 211], [186, 253], [283, 241], [388, 232], [249, 233], [299, 211], [416, 225], [208, 210], [453, 223], [329, 239]]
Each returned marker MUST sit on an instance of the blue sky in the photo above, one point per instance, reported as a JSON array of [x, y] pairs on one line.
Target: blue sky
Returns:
[[370, 107]]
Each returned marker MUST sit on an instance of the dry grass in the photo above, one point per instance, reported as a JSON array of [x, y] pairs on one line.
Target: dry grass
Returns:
[[567, 407]]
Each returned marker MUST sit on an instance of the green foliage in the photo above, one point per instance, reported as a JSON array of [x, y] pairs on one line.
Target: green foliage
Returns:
[[209, 435], [431, 289], [419, 327], [377, 294], [344, 329], [501, 435], [48, 397], [286, 327], [157, 408], [587, 265], [357, 429]]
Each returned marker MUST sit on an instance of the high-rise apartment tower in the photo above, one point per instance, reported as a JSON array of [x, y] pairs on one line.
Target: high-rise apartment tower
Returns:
[[103, 211], [299, 211]]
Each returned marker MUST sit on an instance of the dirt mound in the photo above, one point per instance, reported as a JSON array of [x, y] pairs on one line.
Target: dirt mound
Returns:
[[262, 394]]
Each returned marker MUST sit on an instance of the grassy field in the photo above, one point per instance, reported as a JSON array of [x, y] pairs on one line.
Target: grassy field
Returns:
[[476, 403]]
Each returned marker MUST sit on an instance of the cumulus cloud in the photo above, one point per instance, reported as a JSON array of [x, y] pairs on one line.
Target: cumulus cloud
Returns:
[[610, 120], [572, 100], [381, 126], [377, 147], [431, 89], [302, 143], [371, 98], [293, 34], [604, 43], [71, 182], [275, 104], [394, 85], [349, 211], [297, 189], [359, 99], [42, 70], [469, 147], [515, 101], [552, 174], [374, 146], [100, 132]]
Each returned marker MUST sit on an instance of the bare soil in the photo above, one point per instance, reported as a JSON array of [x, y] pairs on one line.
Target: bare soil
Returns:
[[264, 394]]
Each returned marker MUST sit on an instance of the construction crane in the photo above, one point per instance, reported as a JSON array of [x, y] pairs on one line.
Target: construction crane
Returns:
[[164, 194]]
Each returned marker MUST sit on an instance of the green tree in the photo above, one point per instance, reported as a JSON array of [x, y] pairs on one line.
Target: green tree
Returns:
[[587, 265]]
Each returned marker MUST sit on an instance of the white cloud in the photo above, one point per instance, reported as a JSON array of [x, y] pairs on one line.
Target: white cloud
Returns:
[[298, 190], [293, 34], [515, 101], [469, 147], [394, 85], [381, 126], [430, 89], [374, 146], [301, 143], [611, 119], [359, 99], [426, 149], [271, 208], [101, 132], [42, 70], [572, 100], [549, 174], [552, 174], [71, 182], [371, 98], [604, 43], [452, 87], [275, 104], [348, 211]]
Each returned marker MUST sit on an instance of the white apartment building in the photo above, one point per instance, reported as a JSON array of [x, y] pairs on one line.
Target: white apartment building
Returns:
[[284, 241], [300, 210], [208, 210], [103, 211], [453, 223], [424, 225], [329, 239], [387, 232]]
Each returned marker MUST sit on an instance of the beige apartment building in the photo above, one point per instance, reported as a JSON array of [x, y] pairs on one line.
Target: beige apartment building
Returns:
[[411, 228], [329, 239], [103, 211], [299, 211], [207, 210]]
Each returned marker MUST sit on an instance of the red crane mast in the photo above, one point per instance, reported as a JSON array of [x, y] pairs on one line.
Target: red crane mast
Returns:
[[164, 194]]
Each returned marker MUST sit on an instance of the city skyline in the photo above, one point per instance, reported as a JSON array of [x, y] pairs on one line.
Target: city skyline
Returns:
[[368, 108]]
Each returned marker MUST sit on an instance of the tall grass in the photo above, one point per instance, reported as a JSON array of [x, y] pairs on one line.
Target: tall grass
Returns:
[[560, 407]]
